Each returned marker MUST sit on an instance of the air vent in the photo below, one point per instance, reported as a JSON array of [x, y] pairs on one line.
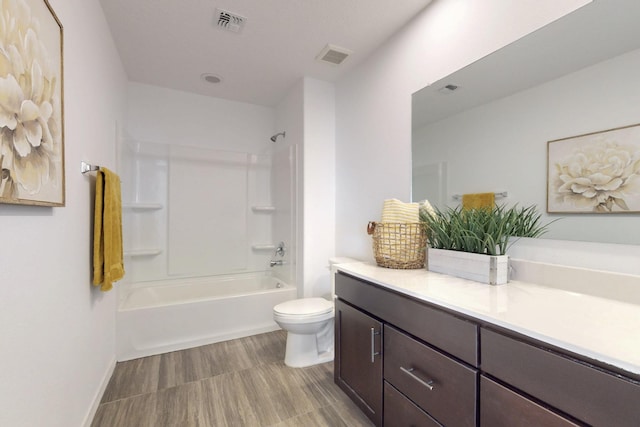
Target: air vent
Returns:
[[450, 88], [229, 21], [334, 55], [211, 78]]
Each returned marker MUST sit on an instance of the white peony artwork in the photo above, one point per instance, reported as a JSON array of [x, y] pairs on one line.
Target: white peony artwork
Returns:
[[31, 107], [595, 173]]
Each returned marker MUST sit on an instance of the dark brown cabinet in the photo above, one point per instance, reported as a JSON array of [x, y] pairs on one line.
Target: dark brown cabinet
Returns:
[[585, 392], [502, 407], [444, 388], [407, 362], [400, 411], [358, 362], [424, 383]]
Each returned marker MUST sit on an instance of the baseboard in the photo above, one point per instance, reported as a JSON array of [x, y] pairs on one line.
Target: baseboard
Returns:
[[98, 397]]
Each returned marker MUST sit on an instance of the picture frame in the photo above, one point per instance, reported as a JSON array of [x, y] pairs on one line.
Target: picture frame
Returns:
[[596, 173], [32, 120]]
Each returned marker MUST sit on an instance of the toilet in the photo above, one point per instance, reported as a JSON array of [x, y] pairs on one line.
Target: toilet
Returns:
[[309, 325]]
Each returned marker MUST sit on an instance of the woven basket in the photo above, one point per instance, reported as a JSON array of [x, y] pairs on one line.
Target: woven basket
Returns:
[[398, 245]]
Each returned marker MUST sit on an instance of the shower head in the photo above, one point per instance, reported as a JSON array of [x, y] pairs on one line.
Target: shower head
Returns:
[[275, 137]]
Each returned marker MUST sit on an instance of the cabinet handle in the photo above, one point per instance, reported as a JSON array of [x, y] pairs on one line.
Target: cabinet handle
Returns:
[[373, 344], [427, 384]]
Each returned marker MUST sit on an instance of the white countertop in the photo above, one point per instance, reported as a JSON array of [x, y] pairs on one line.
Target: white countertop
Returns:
[[598, 328]]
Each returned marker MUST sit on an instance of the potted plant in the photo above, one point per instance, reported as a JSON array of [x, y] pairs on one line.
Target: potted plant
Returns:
[[473, 243]]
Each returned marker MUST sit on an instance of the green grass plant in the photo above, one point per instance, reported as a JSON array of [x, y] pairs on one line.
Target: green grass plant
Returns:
[[481, 231]]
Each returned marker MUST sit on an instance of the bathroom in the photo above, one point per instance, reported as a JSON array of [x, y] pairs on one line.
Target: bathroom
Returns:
[[354, 134]]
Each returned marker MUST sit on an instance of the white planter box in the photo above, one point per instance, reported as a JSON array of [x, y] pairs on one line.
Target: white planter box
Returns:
[[481, 268]]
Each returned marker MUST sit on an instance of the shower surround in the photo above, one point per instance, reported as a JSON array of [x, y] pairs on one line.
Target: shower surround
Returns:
[[199, 233]]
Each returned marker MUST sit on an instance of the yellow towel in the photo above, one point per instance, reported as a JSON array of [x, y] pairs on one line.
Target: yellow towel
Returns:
[[393, 210], [478, 201], [108, 265]]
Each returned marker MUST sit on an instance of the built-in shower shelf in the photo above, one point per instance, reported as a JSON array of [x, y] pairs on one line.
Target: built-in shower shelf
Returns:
[[142, 252], [142, 206], [266, 209], [265, 247]]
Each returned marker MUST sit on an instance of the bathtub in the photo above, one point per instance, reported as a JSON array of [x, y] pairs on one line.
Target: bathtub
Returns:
[[160, 317]]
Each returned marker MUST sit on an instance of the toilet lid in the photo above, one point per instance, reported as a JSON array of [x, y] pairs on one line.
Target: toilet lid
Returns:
[[304, 306]]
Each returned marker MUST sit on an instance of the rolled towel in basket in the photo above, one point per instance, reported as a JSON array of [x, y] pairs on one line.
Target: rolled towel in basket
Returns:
[[426, 208], [394, 210]]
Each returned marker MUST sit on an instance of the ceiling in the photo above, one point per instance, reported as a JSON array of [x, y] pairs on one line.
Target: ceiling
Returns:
[[171, 43]]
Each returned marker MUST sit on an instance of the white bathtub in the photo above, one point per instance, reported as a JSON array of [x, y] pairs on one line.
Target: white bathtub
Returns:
[[159, 317]]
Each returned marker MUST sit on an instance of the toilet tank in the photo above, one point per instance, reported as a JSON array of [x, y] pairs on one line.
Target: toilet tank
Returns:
[[333, 262]]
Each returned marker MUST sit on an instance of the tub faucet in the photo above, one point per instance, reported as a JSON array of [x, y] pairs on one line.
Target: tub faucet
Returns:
[[273, 263]]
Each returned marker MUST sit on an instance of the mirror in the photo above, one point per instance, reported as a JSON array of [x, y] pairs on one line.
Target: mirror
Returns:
[[485, 128]]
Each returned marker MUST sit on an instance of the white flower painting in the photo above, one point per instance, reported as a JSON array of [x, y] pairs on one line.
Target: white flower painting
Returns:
[[595, 173], [31, 118]]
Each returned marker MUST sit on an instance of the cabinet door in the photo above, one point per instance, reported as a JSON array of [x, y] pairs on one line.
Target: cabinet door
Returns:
[[358, 362]]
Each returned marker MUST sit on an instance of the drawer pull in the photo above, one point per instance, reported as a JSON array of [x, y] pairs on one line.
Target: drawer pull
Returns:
[[374, 353], [427, 384]]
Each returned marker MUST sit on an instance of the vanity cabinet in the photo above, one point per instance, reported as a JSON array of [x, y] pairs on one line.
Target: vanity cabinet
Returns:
[[400, 411], [441, 386], [585, 392], [408, 362], [503, 407], [358, 361], [424, 377]]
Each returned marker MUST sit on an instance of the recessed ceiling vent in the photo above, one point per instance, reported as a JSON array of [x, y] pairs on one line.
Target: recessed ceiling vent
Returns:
[[450, 88], [229, 21], [334, 55]]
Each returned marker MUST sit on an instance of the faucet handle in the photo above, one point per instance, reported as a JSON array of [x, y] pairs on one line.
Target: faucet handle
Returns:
[[280, 249]]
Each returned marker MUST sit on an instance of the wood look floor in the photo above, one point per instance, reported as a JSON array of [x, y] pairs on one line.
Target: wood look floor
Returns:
[[242, 382]]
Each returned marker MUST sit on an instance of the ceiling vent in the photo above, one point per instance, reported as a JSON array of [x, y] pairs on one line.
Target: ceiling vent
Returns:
[[450, 88], [229, 21], [334, 55]]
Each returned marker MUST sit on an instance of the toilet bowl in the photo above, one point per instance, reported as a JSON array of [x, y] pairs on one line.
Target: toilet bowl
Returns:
[[309, 326]]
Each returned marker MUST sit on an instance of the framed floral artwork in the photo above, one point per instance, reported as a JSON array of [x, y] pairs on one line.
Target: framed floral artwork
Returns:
[[595, 173], [31, 104]]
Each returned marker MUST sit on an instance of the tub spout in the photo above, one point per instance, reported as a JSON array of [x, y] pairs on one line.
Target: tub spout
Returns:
[[273, 263]]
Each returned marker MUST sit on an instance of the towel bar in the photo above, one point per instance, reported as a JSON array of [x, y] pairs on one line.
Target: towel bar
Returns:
[[87, 167]]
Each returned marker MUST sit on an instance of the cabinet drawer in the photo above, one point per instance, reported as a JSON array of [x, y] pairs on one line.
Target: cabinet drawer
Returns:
[[451, 334], [576, 388], [400, 411], [501, 407], [444, 388]]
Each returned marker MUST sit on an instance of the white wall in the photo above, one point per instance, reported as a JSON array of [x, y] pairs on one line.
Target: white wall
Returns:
[[373, 102], [209, 192], [307, 114], [57, 332], [319, 185], [503, 145], [173, 117]]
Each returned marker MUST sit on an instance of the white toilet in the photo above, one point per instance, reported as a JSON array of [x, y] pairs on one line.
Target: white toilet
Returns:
[[309, 325]]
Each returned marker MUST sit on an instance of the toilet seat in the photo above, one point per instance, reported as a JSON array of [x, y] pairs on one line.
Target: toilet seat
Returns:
[[301, 320], [303, 307], [305, 310]]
